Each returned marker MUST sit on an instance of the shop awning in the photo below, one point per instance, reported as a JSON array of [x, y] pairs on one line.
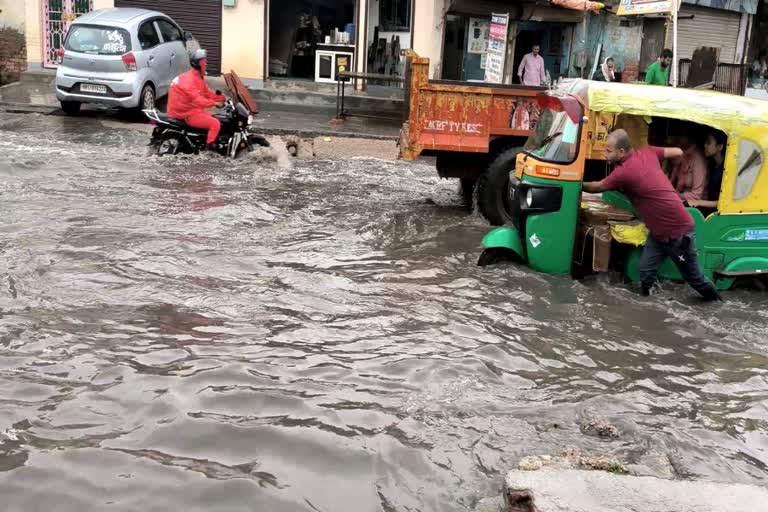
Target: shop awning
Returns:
[[517, 10], [745, 6]]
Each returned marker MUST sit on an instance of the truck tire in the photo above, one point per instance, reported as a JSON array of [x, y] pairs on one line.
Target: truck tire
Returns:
[[492, 193], [467, 191]]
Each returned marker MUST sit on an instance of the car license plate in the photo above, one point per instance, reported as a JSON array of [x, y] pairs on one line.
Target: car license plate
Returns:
[[98, 89]]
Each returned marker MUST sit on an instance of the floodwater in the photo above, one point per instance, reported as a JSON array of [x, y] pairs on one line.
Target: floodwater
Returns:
[[199, 334]]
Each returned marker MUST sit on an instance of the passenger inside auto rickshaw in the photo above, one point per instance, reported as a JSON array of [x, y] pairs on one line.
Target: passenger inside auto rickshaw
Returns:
[[689, 173], [714, 151]]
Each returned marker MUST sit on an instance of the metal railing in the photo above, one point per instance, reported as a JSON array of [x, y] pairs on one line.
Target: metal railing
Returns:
[[729, 78]]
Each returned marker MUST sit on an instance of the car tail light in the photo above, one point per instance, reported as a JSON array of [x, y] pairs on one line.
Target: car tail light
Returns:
[[60, 54], [129, 59]]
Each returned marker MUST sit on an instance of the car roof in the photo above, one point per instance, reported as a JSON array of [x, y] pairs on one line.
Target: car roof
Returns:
[[727, 112], [118, 16]]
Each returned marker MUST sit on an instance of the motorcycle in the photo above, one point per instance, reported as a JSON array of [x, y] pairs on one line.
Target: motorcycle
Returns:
[[173, 136]]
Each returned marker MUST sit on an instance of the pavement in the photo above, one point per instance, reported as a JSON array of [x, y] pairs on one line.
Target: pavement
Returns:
[[574, 490], [36, 95]]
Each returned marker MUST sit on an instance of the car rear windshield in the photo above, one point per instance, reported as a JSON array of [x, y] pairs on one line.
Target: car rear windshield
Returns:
[[98, 40]]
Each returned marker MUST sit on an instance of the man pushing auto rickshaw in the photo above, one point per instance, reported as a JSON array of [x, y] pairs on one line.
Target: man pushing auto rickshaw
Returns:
[[640, 177]]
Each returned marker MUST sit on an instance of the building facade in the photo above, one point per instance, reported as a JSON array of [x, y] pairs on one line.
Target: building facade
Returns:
[[307, 39]]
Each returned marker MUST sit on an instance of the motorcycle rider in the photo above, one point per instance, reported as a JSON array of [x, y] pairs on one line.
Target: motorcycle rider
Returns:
[[189, 97]]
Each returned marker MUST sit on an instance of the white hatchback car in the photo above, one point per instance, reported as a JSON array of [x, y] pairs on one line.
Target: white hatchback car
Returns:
[[120, 57]]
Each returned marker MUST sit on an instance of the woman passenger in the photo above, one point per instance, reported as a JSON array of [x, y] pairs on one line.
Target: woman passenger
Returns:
[[714, 150], [689, 174]]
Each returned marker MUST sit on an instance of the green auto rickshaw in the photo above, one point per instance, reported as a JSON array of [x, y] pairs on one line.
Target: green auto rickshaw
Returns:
[[558, 229]]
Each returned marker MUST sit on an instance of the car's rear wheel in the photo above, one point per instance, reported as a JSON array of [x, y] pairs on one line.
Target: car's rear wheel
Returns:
[[147, 99], [71, 108]]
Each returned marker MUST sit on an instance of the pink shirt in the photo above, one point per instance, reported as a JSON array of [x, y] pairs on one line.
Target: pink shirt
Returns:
[[531, 70], [689, 176]]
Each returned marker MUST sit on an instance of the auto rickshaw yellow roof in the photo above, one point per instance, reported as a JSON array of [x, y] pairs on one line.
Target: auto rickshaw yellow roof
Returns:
[[726, 112]]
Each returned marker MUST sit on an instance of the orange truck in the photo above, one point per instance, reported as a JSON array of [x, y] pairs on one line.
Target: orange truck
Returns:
[[474, 130]]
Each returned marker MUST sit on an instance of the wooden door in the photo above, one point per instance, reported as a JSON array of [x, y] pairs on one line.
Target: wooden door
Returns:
[[654, 31]]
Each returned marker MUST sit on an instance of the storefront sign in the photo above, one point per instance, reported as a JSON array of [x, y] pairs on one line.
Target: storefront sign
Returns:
[[634, 7], [497, 48], [477, 42]]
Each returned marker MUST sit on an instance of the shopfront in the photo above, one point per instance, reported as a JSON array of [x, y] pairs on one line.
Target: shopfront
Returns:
[[757, 54], [311, 39], [465, 38]]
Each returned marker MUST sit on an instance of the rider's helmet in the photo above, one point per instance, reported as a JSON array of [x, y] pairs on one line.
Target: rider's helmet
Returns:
[[196, 57]]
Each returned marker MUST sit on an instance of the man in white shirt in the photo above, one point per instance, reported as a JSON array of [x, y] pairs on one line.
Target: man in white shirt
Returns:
[[531, 70]]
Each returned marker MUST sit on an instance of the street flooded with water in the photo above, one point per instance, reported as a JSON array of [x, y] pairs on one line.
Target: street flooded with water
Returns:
[[202, 334]]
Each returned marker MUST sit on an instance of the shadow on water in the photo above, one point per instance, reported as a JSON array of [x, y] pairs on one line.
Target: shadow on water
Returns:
[[204, 334]]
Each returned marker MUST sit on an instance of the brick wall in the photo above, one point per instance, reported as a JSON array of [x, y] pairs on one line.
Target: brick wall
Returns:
[[631, 71], [13, 55]]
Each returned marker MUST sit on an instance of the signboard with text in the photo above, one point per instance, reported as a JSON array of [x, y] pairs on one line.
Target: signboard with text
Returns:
[[636, 7], [497, 48]]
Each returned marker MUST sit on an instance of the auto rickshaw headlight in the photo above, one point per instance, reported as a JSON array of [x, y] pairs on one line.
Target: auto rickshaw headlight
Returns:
[[529, 198]]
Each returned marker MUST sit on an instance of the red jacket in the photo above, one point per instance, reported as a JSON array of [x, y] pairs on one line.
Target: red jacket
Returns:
[[189, 95]]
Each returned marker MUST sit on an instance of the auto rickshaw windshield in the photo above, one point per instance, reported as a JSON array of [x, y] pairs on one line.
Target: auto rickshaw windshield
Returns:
[[556, 136]]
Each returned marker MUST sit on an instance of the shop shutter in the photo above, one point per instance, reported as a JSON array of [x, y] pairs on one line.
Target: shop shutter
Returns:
[[709, 27], [203, 20]]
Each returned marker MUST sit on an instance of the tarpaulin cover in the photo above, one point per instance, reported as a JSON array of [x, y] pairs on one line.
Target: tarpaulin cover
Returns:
[[579, 5], [719, 110]]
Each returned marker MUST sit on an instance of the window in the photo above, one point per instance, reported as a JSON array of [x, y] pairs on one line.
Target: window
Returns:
[[169, 31], [148, 37], [98, 40], [750, 162], [395, 15]]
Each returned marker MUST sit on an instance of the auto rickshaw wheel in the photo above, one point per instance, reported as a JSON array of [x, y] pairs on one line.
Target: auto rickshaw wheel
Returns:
[[496, 256], [493, 188]]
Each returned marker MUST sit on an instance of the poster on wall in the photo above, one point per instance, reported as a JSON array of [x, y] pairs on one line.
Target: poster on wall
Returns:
[[497, 48], [478, 35]]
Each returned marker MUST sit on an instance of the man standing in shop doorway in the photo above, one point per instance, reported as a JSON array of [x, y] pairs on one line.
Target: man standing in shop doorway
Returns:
[[531, 70], [658, 72]]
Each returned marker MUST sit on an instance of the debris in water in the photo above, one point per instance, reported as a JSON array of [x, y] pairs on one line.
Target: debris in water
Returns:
[[571, 458], [601, 428], [531, 463]]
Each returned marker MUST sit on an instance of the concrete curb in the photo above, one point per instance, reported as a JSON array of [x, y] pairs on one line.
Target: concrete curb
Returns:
[[572, 490], [311, 134], [26, 108]]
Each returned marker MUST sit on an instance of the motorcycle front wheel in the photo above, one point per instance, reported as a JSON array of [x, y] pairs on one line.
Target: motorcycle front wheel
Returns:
[[166, 147]]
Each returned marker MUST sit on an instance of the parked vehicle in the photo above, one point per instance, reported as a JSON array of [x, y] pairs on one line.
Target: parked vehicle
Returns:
[[553, 225], [120, 57], [173, 136], [474, 129]]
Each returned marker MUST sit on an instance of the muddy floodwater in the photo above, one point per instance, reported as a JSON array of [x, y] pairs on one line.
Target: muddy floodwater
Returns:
[[199, 334]]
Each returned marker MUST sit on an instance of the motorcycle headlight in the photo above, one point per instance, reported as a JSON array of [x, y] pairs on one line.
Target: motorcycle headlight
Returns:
[[250, 120], [529, 198]]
